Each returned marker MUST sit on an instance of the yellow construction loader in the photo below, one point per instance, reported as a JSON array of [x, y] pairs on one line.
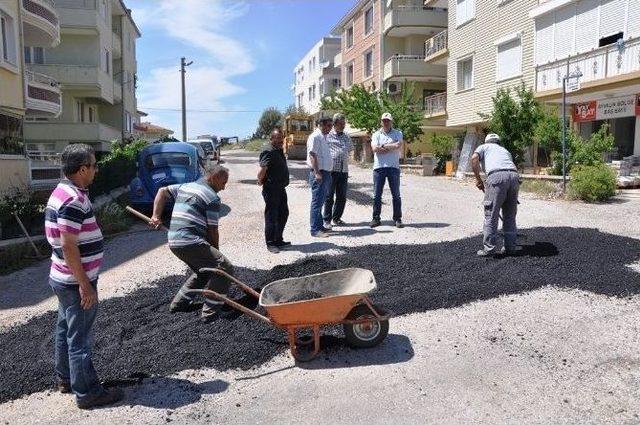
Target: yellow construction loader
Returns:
[[297, 128]]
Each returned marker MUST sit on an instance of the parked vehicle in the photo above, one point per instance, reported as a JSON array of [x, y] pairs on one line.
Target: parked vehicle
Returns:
[[297, 128], [161, 165], [210, 145]]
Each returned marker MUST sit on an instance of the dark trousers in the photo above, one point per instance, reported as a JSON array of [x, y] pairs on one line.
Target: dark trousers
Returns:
[[197, 257], [501, 193], [392, 175], [338, 189], [276, 212], [73, 343]]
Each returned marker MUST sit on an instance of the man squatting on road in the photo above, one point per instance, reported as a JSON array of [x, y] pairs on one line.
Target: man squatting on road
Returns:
[[274, 178], [77, 250], [500, 192], [193, 237], [339, 148], [320, 165]]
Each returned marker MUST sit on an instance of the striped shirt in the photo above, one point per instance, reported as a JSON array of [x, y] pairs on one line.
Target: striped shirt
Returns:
[[196, 207], [69, 210], [339, 146]]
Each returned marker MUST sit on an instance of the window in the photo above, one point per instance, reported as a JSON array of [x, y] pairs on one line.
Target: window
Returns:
[[107, 61], [368, 64], [509, 60], [349, 72], [335, 83], [8, 40], [368, 21], [314, 92], [349, 37], [92, 114], [465, 74], [310, 98], [79, 111], [465, 11], [34, 55]]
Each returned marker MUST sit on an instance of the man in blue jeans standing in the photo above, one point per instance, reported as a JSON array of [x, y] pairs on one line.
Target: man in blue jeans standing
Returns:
[[320, 165], [386, 144], [77, 245]]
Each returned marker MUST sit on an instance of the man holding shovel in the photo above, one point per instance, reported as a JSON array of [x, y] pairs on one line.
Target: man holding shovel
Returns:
[[193, 237], [500, 193]]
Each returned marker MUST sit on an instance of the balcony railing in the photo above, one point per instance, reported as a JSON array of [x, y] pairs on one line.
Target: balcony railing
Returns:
[[435, 104], [44, 167], [606, 62], [413, 67], [436, 45], [41, 23], [415, 16], [43, 95], [36, 7]]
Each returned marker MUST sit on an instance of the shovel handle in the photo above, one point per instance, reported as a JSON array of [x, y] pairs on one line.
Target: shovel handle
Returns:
[[142, 216]]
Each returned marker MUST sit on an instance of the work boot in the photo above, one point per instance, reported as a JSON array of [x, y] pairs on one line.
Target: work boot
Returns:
[[484, 253], [109, 396], [399, 224], [64, 387], [374, 223]]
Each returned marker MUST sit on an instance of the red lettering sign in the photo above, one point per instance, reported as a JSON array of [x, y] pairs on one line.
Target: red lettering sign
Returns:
[[584, 111]]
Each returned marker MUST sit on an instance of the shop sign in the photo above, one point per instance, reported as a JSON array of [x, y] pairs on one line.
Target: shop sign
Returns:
[[626, 106], [584, 111]]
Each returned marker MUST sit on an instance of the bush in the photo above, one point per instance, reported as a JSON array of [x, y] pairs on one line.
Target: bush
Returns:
[[116, 169], [593, 183], [443, 145], [113, 218], [29, 207], [584, 152]]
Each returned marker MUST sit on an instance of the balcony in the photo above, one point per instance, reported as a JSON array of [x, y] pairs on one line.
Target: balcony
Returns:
[[444, 4], [73, 132], [436, 48], [81, 15], [43, 96], [44, 168], [436, 105], [337, 60], [598, 67], [117, 46], [413, 68], [41, 23], [89, 79], [402, 21]]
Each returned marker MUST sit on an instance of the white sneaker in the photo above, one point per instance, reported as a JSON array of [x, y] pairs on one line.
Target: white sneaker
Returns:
[[327, 225]]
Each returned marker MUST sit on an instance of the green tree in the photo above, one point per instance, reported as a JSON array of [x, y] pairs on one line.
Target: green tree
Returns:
[[548, 130], [514, 119], [270, 119], [443, 145], [293, 109], [582, 152], [406, 115]]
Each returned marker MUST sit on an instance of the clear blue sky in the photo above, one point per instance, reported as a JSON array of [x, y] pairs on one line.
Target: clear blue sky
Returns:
[[243, 52]]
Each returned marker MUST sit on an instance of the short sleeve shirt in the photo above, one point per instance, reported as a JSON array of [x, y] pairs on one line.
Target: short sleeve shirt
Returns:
[[277, 169], [339, 147], [318, 143], [196, 206], [386, 159], [69, 210], [495, 157]]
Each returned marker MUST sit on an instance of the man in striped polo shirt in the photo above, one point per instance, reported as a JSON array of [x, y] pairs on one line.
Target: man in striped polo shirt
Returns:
[[193, 237], [77, 246]]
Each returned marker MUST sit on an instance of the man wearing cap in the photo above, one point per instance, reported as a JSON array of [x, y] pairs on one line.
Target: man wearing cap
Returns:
[[320, 164], [339, 147], [500, 193], [386, 144]]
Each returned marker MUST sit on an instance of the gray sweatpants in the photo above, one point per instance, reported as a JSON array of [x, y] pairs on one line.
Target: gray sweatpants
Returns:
[[500, 193], [198, 257]]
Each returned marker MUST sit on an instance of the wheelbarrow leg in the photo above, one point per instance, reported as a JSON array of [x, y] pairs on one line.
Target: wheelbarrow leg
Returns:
[[293, 344]]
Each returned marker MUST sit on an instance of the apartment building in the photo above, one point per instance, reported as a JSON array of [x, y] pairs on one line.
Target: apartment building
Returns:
[[599, 41], [488, 45], [27, 27], [95, 68], [316, 75]]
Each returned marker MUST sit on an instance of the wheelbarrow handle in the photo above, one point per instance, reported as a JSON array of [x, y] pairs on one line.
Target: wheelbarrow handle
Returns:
[[213, 294], [142, 216], [222, 273]]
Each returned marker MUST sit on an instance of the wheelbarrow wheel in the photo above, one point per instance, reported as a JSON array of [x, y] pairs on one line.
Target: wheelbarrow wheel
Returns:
[[366, 334]]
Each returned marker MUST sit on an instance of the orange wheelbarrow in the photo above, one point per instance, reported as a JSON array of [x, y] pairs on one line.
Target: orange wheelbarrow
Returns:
[[309, 302]]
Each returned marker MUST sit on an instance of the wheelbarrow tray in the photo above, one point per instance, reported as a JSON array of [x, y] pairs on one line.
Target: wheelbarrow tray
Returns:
[[340, 291]]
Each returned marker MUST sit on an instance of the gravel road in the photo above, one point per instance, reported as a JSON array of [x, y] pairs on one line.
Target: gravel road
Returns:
[[547, 337]]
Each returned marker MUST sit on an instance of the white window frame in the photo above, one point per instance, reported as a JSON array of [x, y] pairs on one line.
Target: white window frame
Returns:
[[501, 42], [458, 63], [11, 41], [469, 18], [80, 111], [346, 74], [346, 36], [364, 19], [364, 64], [32, 55]]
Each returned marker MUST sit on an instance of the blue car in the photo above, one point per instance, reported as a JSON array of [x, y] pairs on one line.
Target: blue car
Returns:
[[161, 165]]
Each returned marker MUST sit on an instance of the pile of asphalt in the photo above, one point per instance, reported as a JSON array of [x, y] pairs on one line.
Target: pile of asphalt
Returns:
[[136, 334]]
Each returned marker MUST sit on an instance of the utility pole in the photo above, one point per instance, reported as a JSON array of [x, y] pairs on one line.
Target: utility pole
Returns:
[[183, 65], [574, 87]]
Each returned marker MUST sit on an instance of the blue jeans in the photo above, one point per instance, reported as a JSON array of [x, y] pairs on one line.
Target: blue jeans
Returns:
[[319, 190], [392, 175], [73, 341]]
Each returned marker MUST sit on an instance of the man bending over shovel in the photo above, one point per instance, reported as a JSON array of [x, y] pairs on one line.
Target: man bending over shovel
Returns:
[[193, 237]]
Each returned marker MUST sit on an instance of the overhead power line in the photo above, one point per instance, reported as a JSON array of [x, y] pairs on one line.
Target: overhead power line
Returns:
[[199, 110]]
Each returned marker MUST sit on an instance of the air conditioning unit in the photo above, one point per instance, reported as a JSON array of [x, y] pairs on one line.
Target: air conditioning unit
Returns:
[[394, 88]]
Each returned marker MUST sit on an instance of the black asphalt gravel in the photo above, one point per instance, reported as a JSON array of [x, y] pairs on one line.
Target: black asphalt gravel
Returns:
[[137, 335]]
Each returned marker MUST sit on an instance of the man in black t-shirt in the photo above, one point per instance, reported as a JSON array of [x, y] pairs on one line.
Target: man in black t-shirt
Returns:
[[274, 178]]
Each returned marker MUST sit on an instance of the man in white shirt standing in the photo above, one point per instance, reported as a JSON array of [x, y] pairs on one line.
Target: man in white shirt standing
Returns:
[[386, 144], [320, 164]]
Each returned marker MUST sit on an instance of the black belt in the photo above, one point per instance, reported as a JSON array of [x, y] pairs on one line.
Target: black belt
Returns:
[[502, 169]]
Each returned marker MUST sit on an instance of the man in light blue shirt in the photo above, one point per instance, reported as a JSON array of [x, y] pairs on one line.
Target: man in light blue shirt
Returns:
[[386, 144]]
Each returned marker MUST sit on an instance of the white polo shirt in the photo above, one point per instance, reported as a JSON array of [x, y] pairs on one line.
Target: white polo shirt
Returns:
[[318, 143]]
